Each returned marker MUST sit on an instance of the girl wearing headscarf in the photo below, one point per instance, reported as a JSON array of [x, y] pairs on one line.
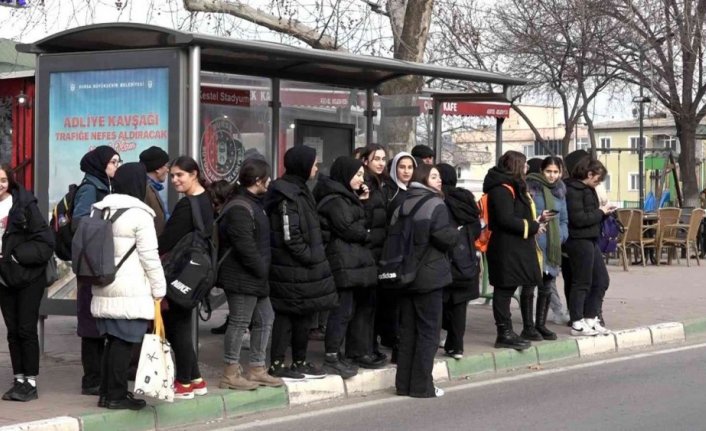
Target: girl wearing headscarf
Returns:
[[124, 308], [340, 207], [464, 264], [387, 314], [548, 193], [301, 283], [99, 166], [26, 245]]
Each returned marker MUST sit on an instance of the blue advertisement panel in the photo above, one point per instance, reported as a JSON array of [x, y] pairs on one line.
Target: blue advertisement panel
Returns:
[[126, 109]]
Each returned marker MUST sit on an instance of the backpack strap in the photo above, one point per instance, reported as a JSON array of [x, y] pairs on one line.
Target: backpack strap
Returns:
[[417, 206], [237, 201], [112, 219], [512, 190], [196, 216]]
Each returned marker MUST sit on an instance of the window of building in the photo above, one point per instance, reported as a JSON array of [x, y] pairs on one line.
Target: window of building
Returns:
[[666, 141], [528, 151], [605, 143], [634, 143], [634, 181], [583, 144], [550, 144]]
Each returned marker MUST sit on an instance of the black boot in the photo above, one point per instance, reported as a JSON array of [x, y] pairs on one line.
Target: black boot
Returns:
[[509, 340], [542, 310], [528, 331]]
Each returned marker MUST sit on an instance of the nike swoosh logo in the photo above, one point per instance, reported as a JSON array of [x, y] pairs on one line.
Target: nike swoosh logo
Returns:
[[194, 263]]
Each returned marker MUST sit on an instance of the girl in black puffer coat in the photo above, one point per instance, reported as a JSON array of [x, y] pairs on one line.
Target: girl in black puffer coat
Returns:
[[301, 283], [27, 246], [343, 223], [421, 302], [464, 264], [361, 344], [244, 234]]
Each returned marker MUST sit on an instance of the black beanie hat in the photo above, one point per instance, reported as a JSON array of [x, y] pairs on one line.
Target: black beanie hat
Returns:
[[154, 158], [299, 160], [447, 174], [573, 158], [422, 151], [131, 179], [534, 165], [344, 169]]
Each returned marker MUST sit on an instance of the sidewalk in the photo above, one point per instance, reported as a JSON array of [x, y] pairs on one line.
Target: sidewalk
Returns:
[[639, 298]]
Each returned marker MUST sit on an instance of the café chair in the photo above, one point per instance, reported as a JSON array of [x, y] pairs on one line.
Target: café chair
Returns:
[[684, 236]]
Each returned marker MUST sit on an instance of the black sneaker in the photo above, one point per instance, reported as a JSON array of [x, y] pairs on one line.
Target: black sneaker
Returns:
[[25, 392], [277, 369], [127, 403], [309, 370], [7, 396], [335, 366], [370, 362]]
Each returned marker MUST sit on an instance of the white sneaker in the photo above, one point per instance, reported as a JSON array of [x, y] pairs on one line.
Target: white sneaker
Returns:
[[581, 328], [560, 319], [595, 324], [438, 392]]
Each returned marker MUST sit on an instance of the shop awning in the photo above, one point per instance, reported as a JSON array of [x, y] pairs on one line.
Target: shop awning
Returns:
[[220, 54]]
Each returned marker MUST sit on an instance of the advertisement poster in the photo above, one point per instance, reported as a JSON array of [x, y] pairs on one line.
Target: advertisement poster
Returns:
[[126, 109]]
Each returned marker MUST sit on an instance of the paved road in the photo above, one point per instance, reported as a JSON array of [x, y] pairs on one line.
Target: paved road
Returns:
[[649, 391]]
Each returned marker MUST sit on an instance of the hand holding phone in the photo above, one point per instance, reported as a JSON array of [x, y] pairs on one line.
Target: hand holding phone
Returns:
[[547, 215]]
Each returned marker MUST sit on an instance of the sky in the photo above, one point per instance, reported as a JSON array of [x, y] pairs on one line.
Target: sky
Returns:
[[36, 22]]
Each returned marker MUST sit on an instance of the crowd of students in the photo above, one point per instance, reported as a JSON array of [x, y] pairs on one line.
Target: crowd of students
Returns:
[[290, 253]]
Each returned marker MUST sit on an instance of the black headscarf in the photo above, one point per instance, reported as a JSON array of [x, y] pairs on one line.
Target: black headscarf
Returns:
[[344, 169], [299, 160], [131, 179], [460, 202], [95, 161], [448, 174]]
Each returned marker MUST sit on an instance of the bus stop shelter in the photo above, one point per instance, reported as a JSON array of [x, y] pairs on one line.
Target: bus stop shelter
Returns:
[[217, 99]]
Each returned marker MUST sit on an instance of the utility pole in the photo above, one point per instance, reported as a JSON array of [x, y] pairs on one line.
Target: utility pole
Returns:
[[641, 144]]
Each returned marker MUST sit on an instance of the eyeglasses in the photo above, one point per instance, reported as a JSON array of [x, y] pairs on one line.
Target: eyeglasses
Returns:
[[117, 162]]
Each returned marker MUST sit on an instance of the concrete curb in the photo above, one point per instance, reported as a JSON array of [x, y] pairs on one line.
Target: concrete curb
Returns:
[[223, 404]]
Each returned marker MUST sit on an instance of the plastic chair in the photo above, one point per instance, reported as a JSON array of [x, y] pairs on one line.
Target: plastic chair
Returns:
[[687, 242], [625, 217], [668, 217]]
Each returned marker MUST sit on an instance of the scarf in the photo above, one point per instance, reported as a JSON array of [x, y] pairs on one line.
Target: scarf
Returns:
[[553, 256]]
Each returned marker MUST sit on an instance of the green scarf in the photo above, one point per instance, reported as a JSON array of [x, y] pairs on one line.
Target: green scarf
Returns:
[[553, 255]]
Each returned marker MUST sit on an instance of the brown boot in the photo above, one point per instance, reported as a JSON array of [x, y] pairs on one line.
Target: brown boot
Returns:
[[233, 379], [260, 376]]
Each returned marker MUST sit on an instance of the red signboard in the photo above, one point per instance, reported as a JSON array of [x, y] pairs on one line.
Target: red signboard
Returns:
[[225, 96]]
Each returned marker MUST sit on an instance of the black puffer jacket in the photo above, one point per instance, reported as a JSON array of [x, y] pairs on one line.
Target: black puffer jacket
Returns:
[[434, 237], [583, 206], [343, 224], [464, 264], [376, 214], [244, 229], [300, 276], [28, 242], [512, 250]]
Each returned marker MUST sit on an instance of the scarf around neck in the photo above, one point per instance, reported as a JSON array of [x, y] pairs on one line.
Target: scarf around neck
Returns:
[[553, 255]]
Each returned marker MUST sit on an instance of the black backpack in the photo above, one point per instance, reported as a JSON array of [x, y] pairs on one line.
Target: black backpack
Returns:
[[190, 267], [61, 223], [93, 250], [397, 266], [464, 262]]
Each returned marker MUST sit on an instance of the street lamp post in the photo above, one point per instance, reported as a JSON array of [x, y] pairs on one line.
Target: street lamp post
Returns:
[[641, 143]]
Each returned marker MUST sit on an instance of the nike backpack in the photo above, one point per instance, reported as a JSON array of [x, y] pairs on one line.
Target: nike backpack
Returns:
[[190, 267], [61, 223]]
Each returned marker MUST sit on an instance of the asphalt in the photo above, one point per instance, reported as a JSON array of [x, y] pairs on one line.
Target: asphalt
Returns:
[[640, 297]]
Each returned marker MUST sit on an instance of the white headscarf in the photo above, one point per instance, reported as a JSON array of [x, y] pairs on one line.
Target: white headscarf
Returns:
[[393, 168]]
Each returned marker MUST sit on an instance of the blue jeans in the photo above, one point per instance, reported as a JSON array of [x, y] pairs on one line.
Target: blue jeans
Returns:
[[242, 309]]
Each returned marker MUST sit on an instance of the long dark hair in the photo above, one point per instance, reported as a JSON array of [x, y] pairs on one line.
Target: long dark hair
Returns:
[[513, 162], [220, 192], [587, 165], [365, 157], [188, 164]]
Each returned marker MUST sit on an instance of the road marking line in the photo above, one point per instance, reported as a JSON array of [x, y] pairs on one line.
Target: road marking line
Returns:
[[456, 388]]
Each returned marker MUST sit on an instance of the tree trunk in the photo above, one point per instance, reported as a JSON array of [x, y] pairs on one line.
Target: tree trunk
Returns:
[[686, 130]]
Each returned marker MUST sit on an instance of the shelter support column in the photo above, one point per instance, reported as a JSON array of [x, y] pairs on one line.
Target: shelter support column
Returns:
[[194, 100], [498, 138], [275, 105], [369, 115], [437, 129]]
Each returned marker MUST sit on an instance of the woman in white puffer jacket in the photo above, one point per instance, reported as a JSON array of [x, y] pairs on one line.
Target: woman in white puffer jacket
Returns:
[[125, 307]]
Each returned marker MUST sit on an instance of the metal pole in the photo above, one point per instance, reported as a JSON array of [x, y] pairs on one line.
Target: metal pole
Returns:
[[498, 138], [437, 128], [194, 100], [275, 105], [369, 115], [640, 144]]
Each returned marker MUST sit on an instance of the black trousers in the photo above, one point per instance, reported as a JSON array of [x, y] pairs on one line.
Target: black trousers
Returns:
[[387, 317], [502, 296], [116, 362], [566, 275], [420, 324], [589, 279], [455, 324], [290, 329], [92, 350], [359, 340], [338, 319], [177, 325], [20, 310]]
